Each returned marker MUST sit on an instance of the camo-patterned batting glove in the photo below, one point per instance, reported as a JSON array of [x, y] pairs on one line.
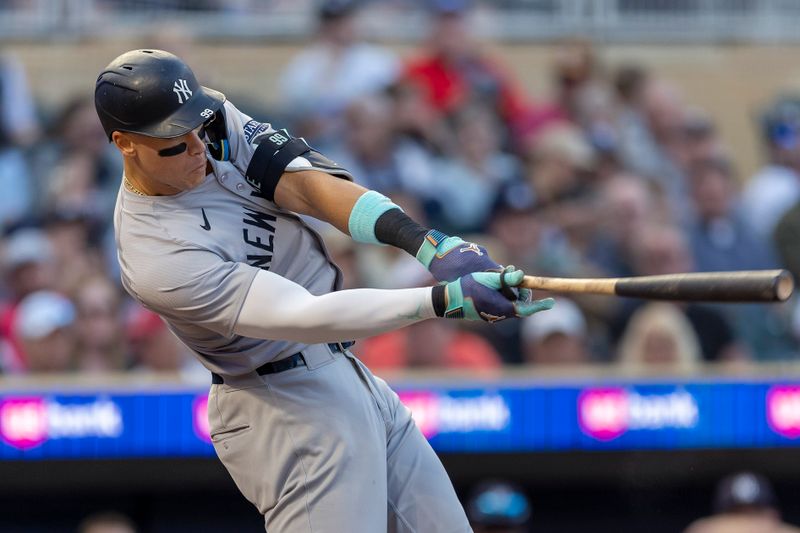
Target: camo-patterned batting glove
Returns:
[[483, 296], [449, 258]]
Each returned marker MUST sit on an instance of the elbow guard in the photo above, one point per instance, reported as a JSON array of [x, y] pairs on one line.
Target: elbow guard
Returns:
[[273, 155]]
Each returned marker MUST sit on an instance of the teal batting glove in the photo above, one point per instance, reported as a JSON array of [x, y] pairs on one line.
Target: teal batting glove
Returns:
[[486, 296]]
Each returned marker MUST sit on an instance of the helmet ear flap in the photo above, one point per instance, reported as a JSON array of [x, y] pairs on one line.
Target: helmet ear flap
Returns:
[[216, 136]]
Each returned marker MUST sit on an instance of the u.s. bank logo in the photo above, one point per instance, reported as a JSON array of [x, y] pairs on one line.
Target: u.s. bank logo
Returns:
[[181, 88]]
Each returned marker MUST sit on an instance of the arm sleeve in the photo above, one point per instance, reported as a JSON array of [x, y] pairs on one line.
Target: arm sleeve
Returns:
[[277, 308]]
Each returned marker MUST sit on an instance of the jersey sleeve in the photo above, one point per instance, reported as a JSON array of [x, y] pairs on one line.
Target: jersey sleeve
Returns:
[[245, 133], [193, 285]]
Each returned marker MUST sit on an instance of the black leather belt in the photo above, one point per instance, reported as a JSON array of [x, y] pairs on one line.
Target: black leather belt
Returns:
[[287, 363]]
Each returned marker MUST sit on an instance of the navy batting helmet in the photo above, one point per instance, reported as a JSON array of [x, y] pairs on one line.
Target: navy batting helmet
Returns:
[[154, 93]]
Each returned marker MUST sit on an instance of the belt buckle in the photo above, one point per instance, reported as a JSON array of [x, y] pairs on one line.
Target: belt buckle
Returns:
[[339, 346]]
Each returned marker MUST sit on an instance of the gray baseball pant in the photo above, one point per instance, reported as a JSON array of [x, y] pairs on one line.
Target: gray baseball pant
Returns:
[[329, 448]]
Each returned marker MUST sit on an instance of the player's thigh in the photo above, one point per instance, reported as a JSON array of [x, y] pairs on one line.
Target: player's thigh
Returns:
[[420, 495], [315, 459]]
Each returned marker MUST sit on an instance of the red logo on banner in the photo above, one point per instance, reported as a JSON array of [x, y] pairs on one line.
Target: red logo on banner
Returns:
[[23, 422], [424, 409], [603, 413], [783, 410], [200, 418]]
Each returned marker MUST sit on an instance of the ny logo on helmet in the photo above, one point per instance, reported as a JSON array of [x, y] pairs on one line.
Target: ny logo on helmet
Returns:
[[181, 88]]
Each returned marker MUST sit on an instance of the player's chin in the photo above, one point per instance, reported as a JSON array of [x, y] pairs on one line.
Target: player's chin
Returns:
[[196, 177]]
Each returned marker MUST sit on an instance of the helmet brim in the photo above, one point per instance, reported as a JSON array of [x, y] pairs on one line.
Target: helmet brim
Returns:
[[188, 117]]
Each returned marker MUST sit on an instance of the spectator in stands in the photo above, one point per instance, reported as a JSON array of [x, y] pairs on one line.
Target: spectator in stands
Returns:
[[106, 522], [659, 337], [700, 139], [663, 249], [584, 95], [522, 238], [28, 263], [74, 235], [559, 168], [558, 159], [517, 227], [77, 169], [743, 503], [100, 328], [454, 72], [44, 327], [416, 119], [780, 184], [498, 507], [721, 240], [560, 339], [376, 155], [467, 185], [28, 266], [652, 140], [334, 72], [629, 82], [720, 237], [153, 348], [776, 187], [575, 68], [18, 130], [625, 203], [428, 344], [787, 241], [528, 236]]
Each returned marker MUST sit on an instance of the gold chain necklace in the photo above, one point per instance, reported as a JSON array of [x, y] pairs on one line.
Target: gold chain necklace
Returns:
[[133, 188]]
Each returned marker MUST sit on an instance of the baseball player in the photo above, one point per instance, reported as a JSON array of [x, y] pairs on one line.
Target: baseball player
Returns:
[[209, 237]]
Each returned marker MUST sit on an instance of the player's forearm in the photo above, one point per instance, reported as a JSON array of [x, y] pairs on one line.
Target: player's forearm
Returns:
[[276, 308], [370, 217], [320, 195]]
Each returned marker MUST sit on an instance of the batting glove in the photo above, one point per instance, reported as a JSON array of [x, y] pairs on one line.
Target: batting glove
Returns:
[[491, 296], [449, 258]]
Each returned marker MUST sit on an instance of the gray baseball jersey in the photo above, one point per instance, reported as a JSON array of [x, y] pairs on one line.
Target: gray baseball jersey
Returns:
[[325, 447], [191, 257]]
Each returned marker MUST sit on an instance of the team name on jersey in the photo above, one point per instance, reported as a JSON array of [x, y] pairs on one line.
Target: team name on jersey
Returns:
[[261, 236], [252, 129]]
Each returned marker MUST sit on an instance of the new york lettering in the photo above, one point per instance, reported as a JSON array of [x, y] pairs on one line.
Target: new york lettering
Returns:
[[262, 238]]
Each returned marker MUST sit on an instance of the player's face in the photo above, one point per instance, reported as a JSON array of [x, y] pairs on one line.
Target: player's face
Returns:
[[175, 164]]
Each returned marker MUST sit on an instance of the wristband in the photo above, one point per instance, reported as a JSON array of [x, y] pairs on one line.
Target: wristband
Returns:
[[365, 214]]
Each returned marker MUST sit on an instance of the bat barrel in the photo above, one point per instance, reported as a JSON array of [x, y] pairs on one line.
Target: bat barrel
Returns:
[[742, 286]]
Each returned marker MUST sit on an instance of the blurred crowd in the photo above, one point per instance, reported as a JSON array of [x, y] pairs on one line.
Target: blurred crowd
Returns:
[[613, 173]]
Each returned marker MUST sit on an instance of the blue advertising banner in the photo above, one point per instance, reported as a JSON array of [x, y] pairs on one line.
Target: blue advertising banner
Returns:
[[503, 417]]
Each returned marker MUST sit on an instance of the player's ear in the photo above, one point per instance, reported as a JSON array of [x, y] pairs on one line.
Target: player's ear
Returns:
[[123, 142]]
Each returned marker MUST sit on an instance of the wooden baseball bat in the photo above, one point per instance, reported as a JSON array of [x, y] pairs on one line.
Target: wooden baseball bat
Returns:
[[736, 286]]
